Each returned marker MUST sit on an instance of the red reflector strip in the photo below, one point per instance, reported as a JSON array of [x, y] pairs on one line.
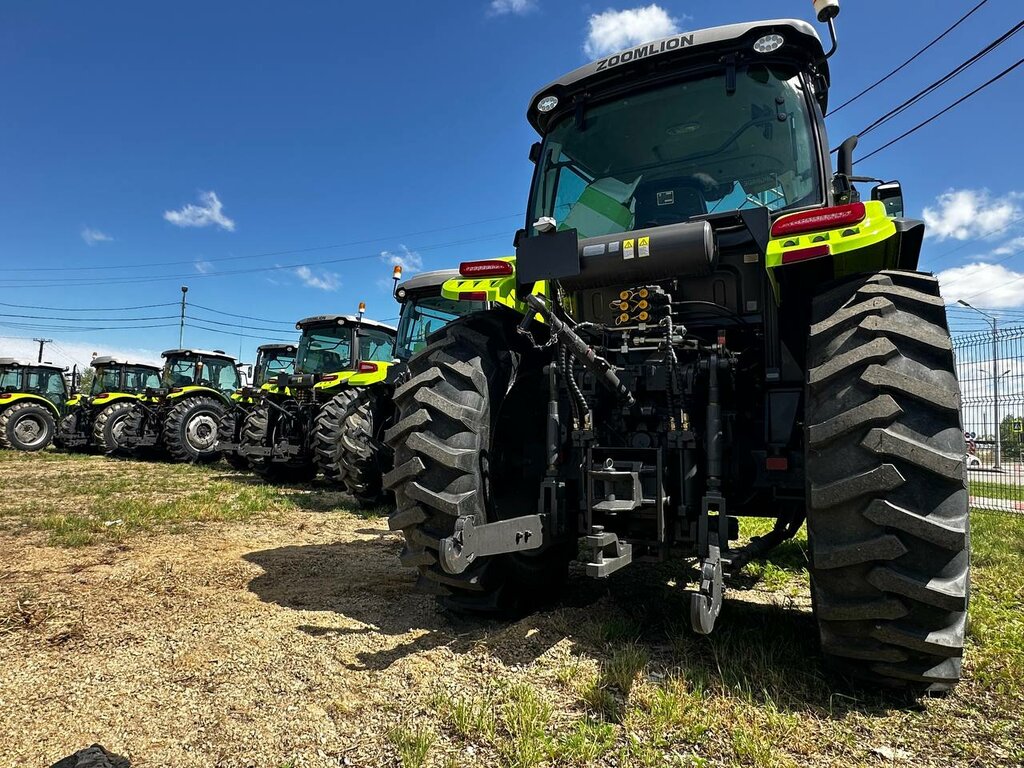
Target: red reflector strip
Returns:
[[5, 395], [802, 254], [102, 396], [776, 463], [367, 367], [472, 295], [175, 390], [330, 376], [486, 268], [813, 221]]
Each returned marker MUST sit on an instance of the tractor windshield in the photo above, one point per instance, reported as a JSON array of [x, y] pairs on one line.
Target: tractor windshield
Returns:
[[10, 379], [48, 383], [663, 155], [179, 372], [218, 374], [376, 345], [324, 349], [105, 380], [422, 316], [269, 366]]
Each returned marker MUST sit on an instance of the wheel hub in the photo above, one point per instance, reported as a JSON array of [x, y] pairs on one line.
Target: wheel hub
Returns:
[[30, 430], [201, 432]]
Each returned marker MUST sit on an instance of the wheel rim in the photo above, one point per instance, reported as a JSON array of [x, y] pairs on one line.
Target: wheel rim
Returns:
[[117, 429], [30, 430], [201, 432]]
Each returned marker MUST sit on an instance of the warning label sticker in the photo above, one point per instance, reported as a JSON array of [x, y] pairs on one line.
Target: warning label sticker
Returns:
[[644, 246], [627, 248]]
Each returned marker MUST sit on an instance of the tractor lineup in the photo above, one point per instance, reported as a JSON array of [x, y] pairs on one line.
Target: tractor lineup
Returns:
[[702, 321]]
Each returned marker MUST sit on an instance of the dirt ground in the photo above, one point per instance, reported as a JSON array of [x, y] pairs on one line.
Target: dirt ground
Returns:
[[296, 639]]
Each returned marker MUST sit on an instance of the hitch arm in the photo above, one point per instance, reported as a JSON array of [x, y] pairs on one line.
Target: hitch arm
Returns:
[[470, 541]]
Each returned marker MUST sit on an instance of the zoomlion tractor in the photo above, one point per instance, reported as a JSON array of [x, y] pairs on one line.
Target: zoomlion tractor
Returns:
[[96, 418], [350, 428], [711, 325], [271, 361], [32, 400], [182, 414], [278, 436]]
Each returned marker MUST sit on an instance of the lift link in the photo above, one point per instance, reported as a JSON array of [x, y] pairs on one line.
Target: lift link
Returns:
[[470, 541]]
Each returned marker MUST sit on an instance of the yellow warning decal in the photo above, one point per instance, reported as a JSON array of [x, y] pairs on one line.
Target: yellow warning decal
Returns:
[[644, 246], [627, 248]]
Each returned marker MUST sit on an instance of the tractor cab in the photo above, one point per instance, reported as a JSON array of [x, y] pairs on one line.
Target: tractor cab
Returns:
[[271, 361], [39, 379], [193, 368], [333, 347], [425, 310], [116, 376]]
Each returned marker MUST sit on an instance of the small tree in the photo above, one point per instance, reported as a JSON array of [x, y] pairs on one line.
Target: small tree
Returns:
[[1010, 439]]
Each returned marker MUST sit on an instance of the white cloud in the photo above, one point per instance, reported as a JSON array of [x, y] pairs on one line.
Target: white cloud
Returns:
[[409, 261], [988, 285], [75, 351], [93, 236], [1011, 246], [210, 213], [964, 214], [203, 267], [504, 7], [615, 30], [325, 281]]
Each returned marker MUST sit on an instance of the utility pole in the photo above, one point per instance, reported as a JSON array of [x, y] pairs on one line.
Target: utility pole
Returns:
[[41, 343], [181, 326]]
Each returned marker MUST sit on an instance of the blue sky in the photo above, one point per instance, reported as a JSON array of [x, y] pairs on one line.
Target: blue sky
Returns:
[[278, 157]]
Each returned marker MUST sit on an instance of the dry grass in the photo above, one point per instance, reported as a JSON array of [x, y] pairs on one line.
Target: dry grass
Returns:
[[235, 625]]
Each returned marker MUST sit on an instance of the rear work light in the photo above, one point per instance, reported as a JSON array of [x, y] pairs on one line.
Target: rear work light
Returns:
[[486, 268], [816, 221], [329, 377], [365, 367]]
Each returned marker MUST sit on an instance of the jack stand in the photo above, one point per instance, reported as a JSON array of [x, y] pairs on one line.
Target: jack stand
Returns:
[[706, 602]]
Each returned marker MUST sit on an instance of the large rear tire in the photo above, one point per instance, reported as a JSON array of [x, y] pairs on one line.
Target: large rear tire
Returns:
[[67, 431], [457, 454], [190, 430], [27, 426], [329, 425], [363, 456], [254, 433], [887, 508], [108, 428]]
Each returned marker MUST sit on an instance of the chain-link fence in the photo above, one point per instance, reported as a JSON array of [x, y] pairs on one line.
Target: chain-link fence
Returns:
[[990, 366]]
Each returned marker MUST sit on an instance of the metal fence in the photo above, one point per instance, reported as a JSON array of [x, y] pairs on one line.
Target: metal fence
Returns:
[[990, 366]]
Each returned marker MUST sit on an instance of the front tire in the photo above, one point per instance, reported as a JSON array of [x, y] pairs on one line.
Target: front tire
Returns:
[[26, 426], [328, 434], [190, 430], [229, 430], [254, 433], [362, 454], [887, 509], [449, 444]]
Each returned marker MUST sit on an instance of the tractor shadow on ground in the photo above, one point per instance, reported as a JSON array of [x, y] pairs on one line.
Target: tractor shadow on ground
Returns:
[[764, 647]]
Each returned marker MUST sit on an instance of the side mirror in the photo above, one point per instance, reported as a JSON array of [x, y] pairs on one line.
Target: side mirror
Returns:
[[535, 152], [248, 370], [890, 193], [520, 234]]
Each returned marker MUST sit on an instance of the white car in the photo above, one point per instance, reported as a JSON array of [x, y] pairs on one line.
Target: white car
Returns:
[[973, 462]]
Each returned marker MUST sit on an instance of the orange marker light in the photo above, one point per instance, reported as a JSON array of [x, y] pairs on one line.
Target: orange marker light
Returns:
[[397, 274], [362, 307]]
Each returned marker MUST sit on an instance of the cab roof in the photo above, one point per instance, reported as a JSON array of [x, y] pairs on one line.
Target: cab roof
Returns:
[[349, 320], [198, 352], [276, 348], [15, 362], [425, 281], [801, 44], [110, 360]]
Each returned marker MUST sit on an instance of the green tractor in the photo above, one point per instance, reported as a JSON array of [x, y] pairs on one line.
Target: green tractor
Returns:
[[712, 325], [32, 401], [95, 419], [272, 360], [181, 415], [278, 436], [350, 428]]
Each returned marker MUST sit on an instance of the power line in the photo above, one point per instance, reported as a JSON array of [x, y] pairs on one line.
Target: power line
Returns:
[[234, 333], [243, 317], [939, 114], [881, 80], [90, 319], [963, 245], [80, 309], [289, 252], [942, 80], [234, 325]]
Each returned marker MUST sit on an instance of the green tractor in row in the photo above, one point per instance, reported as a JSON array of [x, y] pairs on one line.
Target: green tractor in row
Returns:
[[181, 416], [96, 419], [32, 401], [707, 323], [278, 436], [272, 360], [350, 428]]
